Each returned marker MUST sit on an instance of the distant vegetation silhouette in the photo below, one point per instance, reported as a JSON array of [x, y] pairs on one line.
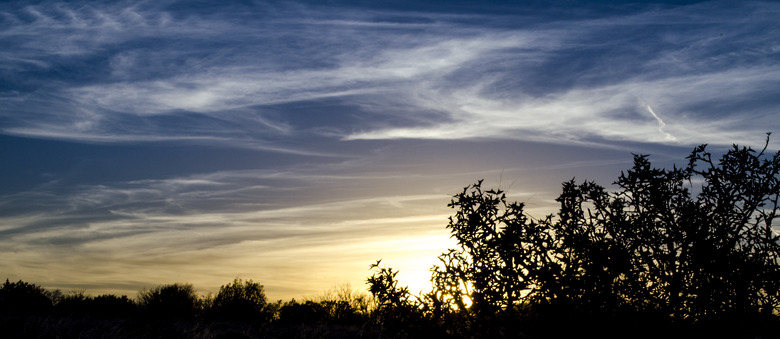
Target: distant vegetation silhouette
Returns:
[[681, 252]]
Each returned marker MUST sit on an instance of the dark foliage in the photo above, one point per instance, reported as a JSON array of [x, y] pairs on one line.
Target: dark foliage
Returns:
[[111, 306], [239, 310], [293, 313], [394, 310], [339, 313], [171, 301], [104, 306], [243, 301], [21, 298]]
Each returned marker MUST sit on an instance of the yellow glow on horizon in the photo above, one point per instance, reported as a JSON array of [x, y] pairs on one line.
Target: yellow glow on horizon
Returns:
[[293, 257]]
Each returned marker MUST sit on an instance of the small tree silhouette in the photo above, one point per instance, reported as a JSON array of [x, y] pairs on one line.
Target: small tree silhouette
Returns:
[[384, 287], [395, 312], [242, 300], [490, 271]]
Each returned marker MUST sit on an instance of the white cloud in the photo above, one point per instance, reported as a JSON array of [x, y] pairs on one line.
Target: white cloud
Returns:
[[609, 111], [441, 79], [236, 86]]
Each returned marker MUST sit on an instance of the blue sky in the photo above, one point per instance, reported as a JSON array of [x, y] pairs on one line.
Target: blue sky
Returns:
[[294, 143]]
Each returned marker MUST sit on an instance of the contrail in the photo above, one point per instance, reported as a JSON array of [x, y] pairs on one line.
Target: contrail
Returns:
[[661, 123]]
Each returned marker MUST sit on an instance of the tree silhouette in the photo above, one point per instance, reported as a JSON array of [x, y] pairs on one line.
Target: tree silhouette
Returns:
[[22, 298], [653, 245], [384, 286], [396, 312], [692, 245], [171, 301], [242, 300]]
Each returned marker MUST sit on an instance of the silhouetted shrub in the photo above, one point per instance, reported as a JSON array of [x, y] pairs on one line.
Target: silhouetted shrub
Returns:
[[243, 301], [112, 306], [326, 318], [338, 306], [73, 304], [172, 301], [397, 313], [106, 306], [306, 313], [21, 298]]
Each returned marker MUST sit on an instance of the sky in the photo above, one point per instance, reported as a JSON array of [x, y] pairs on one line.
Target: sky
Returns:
[[295, 143]]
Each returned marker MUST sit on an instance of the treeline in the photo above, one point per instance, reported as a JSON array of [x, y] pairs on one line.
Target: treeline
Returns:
[[239, 310], [669, 253]]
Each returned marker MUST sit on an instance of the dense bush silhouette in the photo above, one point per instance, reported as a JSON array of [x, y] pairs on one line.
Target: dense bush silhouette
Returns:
[[21, 298], [112, 306], [242, 300], [171, 301], [302, 313], [106, 306]]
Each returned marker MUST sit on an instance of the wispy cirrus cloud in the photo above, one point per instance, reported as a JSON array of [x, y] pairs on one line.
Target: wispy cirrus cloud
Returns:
[[612, 112], [531, 82]]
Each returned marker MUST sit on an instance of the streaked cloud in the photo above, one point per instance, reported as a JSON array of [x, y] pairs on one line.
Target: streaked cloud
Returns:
[[221, 73]]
